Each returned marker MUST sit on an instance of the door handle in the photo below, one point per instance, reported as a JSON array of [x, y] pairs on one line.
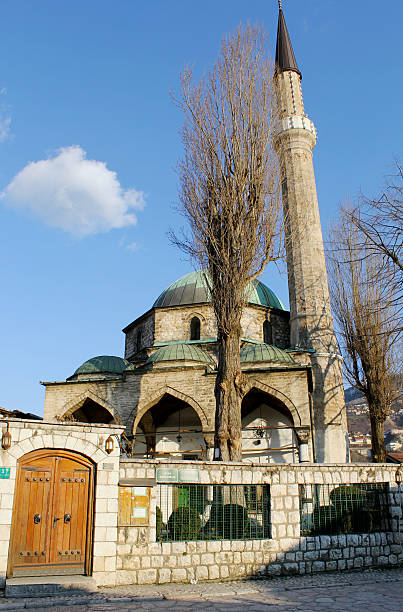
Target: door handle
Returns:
[[37, 518], [55, 519]]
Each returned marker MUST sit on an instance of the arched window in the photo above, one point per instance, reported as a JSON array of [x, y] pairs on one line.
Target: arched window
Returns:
[[195, 329], [138, 341], [267, 332]]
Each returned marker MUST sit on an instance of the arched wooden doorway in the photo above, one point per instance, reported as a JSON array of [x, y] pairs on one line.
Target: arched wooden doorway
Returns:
[[52, 514]]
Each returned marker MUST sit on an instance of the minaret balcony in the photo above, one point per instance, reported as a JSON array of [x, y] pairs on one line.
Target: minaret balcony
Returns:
[[296, 122]]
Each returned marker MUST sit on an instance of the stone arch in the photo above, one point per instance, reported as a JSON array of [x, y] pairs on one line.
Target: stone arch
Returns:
[[76, 403], [147, 426], [181, 396], [60, 440], [197, 314], [256, 384]]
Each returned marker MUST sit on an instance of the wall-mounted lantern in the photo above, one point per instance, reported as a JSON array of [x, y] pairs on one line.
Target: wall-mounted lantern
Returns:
[[6, 440], [109, 445]]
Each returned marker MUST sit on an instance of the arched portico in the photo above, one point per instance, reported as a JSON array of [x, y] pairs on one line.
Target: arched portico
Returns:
[[268, 429], [88, 408], [170, 426], [166, 390], [281, 398]]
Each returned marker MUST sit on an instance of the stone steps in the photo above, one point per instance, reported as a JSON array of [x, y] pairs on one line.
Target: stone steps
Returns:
[[49, 586]]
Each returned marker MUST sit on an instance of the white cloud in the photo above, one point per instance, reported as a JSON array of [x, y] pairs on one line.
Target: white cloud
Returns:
[[5, 119], [73, 193], [132, 246], [129, 246], [5, 131]]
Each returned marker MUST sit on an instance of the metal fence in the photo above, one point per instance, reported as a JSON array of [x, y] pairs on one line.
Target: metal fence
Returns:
[[213, 512], [330, 509]]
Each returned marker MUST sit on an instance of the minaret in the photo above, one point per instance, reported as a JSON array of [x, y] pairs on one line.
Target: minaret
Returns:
[[310, 316]]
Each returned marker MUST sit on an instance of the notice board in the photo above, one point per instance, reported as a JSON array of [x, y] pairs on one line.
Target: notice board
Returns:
[[134, 506]]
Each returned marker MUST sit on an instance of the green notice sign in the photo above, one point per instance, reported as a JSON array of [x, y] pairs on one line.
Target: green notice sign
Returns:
[[167, 475], [4, 473]]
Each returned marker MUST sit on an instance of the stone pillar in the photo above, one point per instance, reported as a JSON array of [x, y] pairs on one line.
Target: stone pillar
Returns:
[[303, 435], [209, 440]]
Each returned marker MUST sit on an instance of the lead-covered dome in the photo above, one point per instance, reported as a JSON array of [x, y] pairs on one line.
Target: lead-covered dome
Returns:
[[179, 351], [192, 289], [109, 364], [261, 352]]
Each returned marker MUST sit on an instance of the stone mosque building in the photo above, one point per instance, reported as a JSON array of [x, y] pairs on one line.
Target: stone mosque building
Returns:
[[117, 484], [162, 390]]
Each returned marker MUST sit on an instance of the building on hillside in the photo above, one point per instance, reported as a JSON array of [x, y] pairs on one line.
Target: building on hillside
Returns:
[[162, 391]]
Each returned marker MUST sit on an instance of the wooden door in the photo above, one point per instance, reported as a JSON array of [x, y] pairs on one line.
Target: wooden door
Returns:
[[52, 515]]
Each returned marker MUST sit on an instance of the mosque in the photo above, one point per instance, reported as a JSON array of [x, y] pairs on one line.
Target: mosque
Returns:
[[162, 390], [117, 484]]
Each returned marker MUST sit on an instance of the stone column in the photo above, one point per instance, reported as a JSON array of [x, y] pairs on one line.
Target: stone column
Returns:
[[303, 435]]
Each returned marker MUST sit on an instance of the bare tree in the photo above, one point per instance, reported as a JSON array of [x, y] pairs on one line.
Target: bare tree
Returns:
[[364, 315], [380, 223], [229, 194]]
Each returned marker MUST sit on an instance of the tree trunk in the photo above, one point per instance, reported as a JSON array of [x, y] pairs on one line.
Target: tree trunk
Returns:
[[228, 393], [378, 438]]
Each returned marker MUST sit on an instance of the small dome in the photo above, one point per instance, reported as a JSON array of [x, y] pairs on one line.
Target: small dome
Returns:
[[192, 289], [103, 363], [253, 353], [180, 352]]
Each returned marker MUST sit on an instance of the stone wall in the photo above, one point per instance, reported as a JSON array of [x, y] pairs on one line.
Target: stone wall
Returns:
[[145, 325], [88, 440], [143, 560], [137, 391], [132, 554], [173, 323]]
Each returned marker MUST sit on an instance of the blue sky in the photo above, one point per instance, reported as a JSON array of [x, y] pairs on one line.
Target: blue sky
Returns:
[[92, 77]]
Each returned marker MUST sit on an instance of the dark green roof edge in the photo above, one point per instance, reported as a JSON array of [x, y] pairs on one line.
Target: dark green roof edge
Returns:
[[201, 341]]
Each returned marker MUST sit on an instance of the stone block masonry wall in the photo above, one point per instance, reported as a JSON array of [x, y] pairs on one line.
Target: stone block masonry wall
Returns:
[[142, 560], [146, 326], [173, 323]]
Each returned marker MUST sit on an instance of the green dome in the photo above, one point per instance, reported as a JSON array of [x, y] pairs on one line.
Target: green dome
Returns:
[[253, 353], [180, 352], [103, 363], [192, 289]]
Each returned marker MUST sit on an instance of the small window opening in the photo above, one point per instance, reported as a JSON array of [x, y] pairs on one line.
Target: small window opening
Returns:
[[195, 329], [267, 332], [138, 341]]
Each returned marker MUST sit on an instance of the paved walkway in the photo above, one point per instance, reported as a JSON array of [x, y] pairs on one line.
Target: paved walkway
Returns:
[[363, 591]]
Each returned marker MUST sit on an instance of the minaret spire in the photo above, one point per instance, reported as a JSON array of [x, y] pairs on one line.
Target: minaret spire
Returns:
[[311, 325], [285, 58]]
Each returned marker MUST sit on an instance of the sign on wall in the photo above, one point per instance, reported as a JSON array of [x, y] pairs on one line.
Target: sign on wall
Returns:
[[167, 474], [5, 473], [134, 506], [175, 475], [189, 475]]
